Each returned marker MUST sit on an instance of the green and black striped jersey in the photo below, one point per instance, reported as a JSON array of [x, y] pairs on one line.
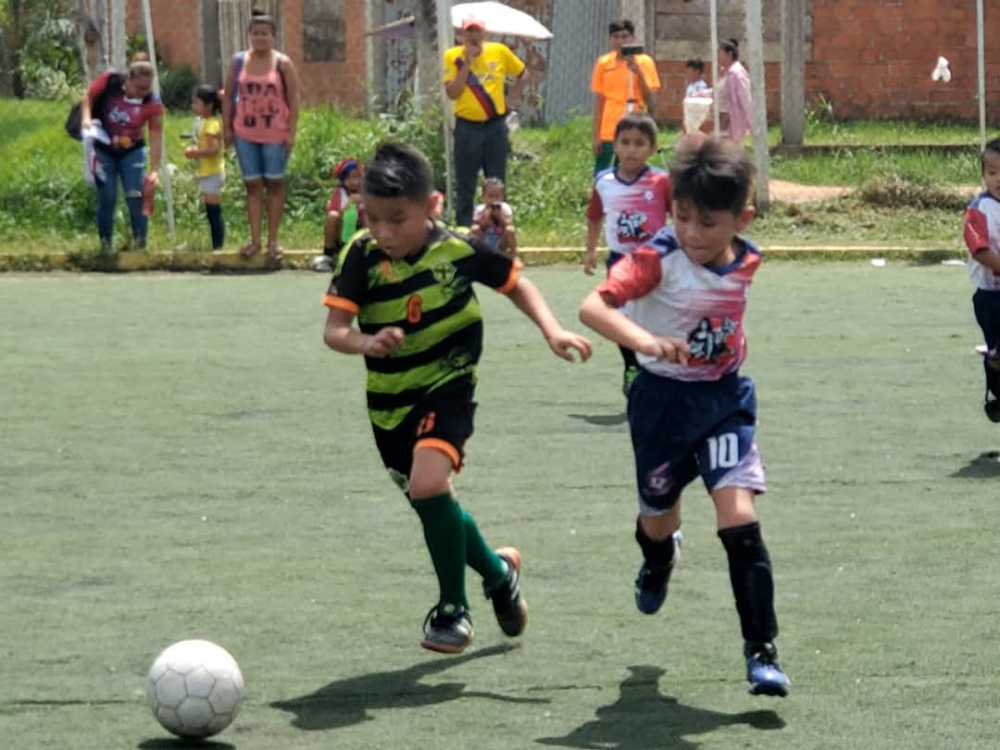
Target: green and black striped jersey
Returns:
[[429, 295]]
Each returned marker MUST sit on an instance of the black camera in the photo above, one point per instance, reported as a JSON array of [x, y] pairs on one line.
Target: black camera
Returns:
[[630, 50]]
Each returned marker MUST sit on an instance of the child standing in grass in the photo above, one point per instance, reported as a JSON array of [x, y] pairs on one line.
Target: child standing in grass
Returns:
[[493, 219], [690, 411], [982, 236], [632, 200], [408, 281], [207, 151]]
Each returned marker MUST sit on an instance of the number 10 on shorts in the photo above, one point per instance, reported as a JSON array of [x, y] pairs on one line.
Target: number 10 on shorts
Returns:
[[723, 451]]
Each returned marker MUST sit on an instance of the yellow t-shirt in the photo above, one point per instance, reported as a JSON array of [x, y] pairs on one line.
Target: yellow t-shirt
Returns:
[[483, 96], [211, 165], [612, 79]]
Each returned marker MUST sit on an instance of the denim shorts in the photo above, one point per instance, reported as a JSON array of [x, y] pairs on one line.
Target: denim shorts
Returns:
[[258, 160]]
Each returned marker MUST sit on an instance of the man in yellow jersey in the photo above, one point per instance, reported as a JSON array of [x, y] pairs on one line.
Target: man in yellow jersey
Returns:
[[475, 75], [623, 82]]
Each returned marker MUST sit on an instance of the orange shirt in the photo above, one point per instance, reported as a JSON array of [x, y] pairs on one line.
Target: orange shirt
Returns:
[[617, 84]]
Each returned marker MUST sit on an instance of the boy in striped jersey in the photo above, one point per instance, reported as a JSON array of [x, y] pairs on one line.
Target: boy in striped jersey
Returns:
[[690, 410], [408, 280], [982, 236]]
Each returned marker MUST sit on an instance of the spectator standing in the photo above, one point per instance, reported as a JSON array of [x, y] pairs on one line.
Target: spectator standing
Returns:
[[475, 75], [623, 82]]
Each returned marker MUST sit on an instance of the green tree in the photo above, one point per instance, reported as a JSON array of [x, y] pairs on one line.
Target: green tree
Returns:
[[18, 18]]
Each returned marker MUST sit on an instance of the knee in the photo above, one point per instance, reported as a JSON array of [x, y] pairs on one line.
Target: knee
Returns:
[[274, 185], [658, 528], [254, 187]]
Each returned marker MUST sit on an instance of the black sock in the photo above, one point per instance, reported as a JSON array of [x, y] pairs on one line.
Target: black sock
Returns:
[[992, 377], [218, 226], [658, 555], [753, 582]]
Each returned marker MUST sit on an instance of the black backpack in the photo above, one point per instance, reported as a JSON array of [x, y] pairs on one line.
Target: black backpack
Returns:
[[115, 84]]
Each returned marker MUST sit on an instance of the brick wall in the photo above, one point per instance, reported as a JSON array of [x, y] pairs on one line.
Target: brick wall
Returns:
[[869, 58], [177, 27]]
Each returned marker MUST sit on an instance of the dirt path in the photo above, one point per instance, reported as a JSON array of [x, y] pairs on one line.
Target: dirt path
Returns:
[[792, 192]]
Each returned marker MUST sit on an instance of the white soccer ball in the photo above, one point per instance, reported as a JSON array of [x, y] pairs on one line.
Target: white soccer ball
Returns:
[[195, 688]]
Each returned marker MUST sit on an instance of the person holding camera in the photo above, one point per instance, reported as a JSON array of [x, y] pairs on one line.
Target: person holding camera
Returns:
[[475, 75], [493, 219], [623, 82]]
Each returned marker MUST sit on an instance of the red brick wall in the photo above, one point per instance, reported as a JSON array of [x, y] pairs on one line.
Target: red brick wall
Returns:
[[176, 24], [871, 58]]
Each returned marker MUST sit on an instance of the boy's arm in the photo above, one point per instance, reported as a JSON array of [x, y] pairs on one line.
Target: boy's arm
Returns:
[[529, 300], [593, 234], [599, 311], [341, 335], [977, 239]]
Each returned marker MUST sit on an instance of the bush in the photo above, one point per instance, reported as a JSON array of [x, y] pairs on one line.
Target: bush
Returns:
[[893, 191], [176, 85]]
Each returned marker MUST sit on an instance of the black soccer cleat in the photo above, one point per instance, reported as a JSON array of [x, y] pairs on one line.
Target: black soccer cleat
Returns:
[[509, 606]]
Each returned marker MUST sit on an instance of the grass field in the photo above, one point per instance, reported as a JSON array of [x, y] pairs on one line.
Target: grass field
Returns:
[[180, 457]]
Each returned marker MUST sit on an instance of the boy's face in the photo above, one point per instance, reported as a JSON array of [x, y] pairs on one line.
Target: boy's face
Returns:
[[619, 38], [400, 225], [492, 194], [991, 173], [633, 150], [352, 183], [707, 236]]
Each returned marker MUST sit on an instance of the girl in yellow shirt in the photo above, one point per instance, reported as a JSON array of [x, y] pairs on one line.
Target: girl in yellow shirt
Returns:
[[206, 103]]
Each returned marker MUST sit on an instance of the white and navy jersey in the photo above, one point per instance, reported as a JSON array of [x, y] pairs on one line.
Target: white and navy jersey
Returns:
[[678, 298], [982, 232], [633, 211]]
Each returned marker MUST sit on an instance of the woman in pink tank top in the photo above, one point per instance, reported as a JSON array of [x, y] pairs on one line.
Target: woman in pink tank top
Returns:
[[261, 112]]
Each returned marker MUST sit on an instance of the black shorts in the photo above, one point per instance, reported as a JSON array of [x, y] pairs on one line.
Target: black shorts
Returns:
[[441, 420]]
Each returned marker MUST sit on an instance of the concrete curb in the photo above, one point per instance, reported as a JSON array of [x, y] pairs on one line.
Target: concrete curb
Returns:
[[232, 262]]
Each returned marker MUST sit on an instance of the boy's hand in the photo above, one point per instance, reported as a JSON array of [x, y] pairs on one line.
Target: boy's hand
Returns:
[[667, 349], [386, 341], [355, 199], [563, 341], [590, 261]]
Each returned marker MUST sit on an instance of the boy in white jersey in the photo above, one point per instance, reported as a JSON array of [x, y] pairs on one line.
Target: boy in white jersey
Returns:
[[982, 236], [632, 200], [690, 411]]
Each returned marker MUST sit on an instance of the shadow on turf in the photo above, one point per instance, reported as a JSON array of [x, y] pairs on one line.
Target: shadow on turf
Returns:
[[984, 466], [179, 744], [602, 420], [346, 702], [642, 718]]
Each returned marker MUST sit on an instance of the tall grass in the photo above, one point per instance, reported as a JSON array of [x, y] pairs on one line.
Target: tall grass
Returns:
[[44, 205]]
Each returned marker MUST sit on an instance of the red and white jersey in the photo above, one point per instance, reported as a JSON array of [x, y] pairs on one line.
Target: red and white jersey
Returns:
[[678, 298], [633, 211], [982, 232]]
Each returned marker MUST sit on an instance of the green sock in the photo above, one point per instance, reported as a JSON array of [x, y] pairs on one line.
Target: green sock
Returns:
[[444, 531], [480, 557]]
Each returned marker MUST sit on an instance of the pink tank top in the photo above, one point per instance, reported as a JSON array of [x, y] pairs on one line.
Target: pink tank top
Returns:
[[261, 110]]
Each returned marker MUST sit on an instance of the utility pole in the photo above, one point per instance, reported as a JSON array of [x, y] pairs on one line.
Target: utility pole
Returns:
[[758, 87], [793, 64]]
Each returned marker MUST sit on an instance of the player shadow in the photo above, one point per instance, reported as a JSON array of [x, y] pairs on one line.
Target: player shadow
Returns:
[[642, 718], [179, 744], [602, 420], [347, 702], [983, 466]]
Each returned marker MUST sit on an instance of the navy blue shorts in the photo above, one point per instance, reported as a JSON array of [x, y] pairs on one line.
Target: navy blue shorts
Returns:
[[683, 429], [987, 306]]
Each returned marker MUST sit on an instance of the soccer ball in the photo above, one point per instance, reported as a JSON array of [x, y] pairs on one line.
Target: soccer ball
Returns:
[[195, 688]]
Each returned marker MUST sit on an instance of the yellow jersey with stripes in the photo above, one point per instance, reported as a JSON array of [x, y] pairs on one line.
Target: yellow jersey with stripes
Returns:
[[429, 295]]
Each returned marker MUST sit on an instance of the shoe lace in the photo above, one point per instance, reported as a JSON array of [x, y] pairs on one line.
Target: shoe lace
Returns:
[[437, 617]]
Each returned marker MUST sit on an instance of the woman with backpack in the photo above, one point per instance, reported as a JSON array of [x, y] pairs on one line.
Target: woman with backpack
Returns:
[[261, 111], [125, 106]]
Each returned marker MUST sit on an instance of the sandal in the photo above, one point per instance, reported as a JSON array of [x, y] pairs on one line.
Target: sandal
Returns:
[[274, 251], [250, 249]]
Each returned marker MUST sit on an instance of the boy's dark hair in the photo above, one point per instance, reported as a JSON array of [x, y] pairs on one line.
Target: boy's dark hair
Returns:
[[210, 96], [637, 121], [696, 63], [399, 170], [731, 47], [712, 173], [621, 24], [493, 182], [992, 147]]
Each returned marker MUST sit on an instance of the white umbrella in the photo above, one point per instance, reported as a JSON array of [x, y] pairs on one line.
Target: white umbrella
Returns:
[[500, 19]]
